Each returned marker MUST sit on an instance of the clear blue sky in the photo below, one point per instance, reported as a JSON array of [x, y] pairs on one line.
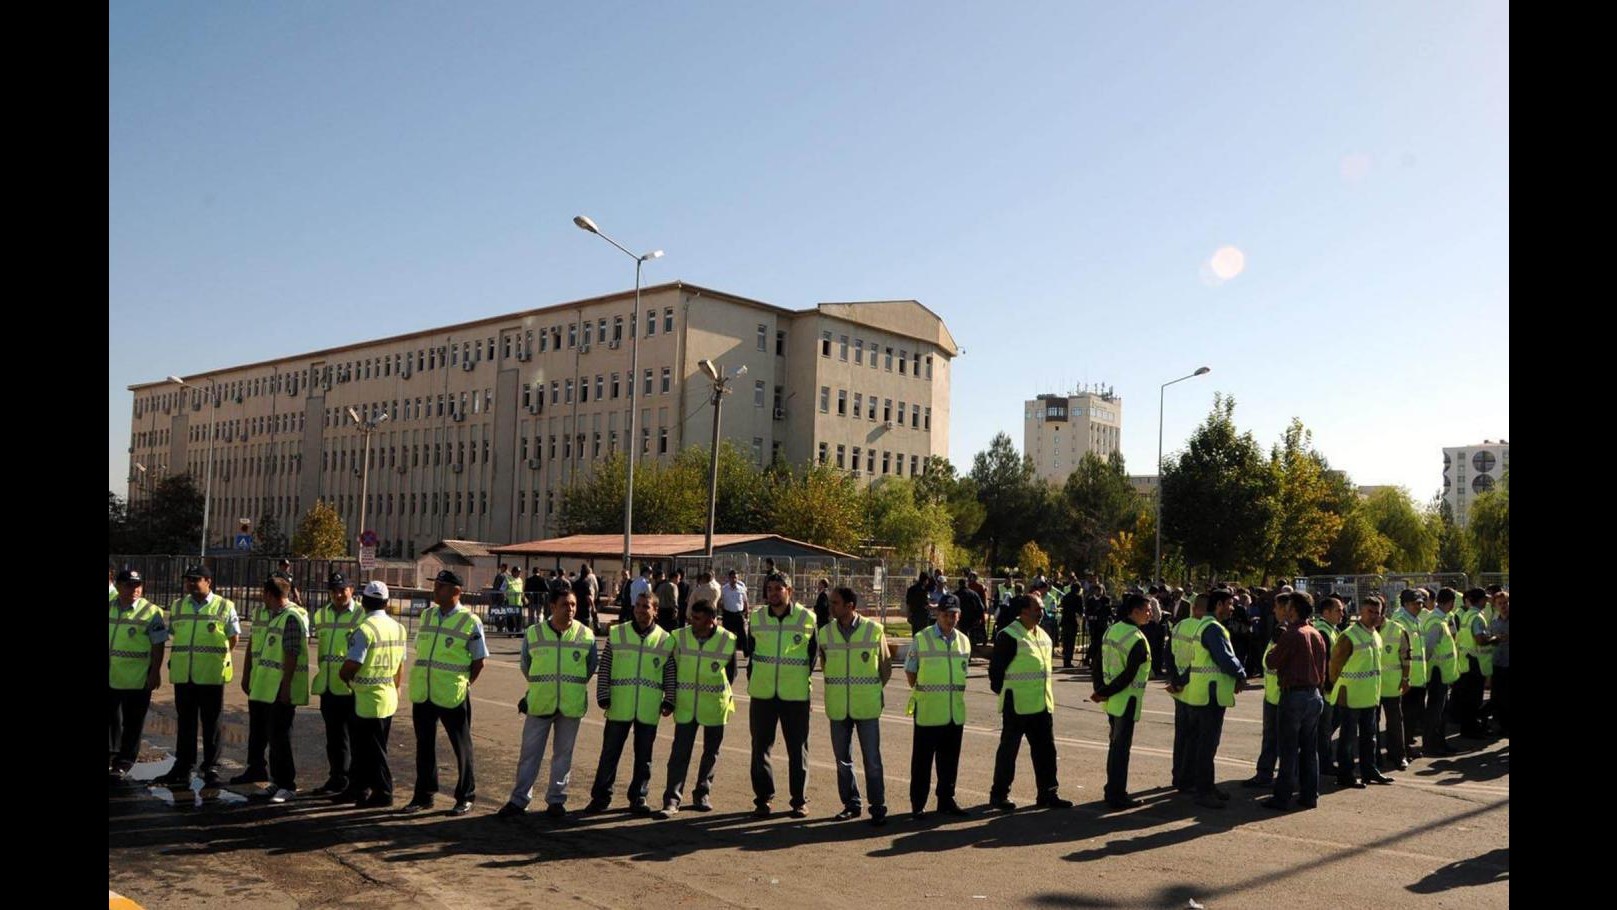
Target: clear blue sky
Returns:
[[1052, 178]]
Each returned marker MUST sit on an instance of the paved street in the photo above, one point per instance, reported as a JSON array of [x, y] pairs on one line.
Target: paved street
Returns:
[[1438, 838]]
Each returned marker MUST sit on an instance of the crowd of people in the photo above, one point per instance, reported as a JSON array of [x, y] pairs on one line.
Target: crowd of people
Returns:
[[1339, 698]]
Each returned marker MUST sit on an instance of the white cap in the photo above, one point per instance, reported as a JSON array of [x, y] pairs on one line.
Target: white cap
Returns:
[[375, 589]]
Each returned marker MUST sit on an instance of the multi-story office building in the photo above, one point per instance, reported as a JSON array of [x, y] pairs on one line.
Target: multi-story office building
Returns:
[[1058, 429], [1470, 471], [488, 421]]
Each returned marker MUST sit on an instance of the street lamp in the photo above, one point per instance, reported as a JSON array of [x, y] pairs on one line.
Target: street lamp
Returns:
[[1161, 398], [207, 487], [366, 428], [585, 224], [721, 388]]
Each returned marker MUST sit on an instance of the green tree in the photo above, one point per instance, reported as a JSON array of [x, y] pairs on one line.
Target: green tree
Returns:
[[1098, 501], [1394, 515], [1218, 496], [321, 534], [1489, 527], [899, 517], [1301, 525], [940, 483], [817, 504], [170, 520], [269, 539], [1031, 560], [1454, 551], [1359, 549], [117, 524], [594, 505], [740, 503], [1015, 504]]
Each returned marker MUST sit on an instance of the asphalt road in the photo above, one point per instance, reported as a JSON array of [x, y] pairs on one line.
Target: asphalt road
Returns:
[[1438, 838]]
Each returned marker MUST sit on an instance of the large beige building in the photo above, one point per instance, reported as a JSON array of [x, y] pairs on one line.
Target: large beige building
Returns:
[[1058, 429], [488, 421], [1470, 471]]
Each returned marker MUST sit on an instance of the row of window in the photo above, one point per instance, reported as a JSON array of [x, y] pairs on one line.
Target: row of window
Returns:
[[245, 427], [885, 355], [865, 406], [562, 390], [891, 463]]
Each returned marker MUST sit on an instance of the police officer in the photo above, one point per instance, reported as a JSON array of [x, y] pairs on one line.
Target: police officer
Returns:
[[1411, 602], [332, 625], [705, 668], [374, 670], [558, 658], [936, 670], [1269, 754], [1476, 663], [1125, 668], [1182, 646], [1215, 676], [780, 648], [634, 685], [1396, 666], [279, 682], [853, 657], [1355, 684], [1327, 622], [1443, 667], [135, 636], [204, 629], [1020, 673], [449, 655]]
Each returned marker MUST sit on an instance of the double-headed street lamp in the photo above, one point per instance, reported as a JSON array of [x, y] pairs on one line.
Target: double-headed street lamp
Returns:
[[207, 487], [721, 388], [366, 428], [584, 223], [1162, 397]]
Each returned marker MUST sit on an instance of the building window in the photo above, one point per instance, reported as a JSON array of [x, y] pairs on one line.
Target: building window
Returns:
[[758, 451], [651, 324], [614, 386], [758, 393], [903, 361], [929, 367], [825, 344], [617, 328], [662, 440], [588, 332], [555, 392], [928, 419], [668, 320], [887, 410], [915, 417], [645, 440], [600, 386], [569, 392], [842, 402], [872, 405], [915, 465], [842, 348], [667, 379], [822, 453], [858, 408], [572, 335], [648, 382], [886, 462], [780, 344], [856, 453], [842, 456], [901, 413], [825, 399], [859, 352], [601, 329], [763, 336]]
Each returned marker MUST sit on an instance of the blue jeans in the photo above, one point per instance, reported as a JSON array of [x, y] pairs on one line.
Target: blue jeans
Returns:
[[869, 733], [1296, 734]]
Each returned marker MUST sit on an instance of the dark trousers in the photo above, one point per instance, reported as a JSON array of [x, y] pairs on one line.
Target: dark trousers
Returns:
[[258, 734], [1358, 737], [939, 744], [1041, 742], [126, 719], [1097, 632], [1154, 636], [1437, 696], [1208, 722], [1392, 727], [1328, 720], [1414, 713], [283, 770], [734, 623], [337, 712], [1184, 742], [370, 770], [1069, 640], [679, 762], [1295, 737], [793, 718], [1117, 752], [457, 723], [193, 701], [1468, 699], [1501, 698], [606, 771], [1270, 752]]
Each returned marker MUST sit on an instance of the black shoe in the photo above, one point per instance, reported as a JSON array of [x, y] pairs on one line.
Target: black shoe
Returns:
[[1308, 804], [640, 809], [210, 779], [511, 810], [1003, 805], [918, 815], [175, 781], [845, 814], [799, 812], [1349, 783], [1124, 803], [1258, 783], [878, 819], [1053, 802], [328, 788], [462, 807], [1275, 804], [556, 811], [350, 796], [1209, 801], [1328, 771], [374, 802], [596, 807], [1221, 794], [953, 808], [249, 777], [1379, 779], [762, 811], [416, 805]]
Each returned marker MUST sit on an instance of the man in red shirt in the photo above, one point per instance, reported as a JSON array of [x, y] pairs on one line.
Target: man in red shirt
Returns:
[[1300, 660]]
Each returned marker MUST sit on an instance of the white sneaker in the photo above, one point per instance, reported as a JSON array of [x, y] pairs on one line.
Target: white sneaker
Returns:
[[282, 795]]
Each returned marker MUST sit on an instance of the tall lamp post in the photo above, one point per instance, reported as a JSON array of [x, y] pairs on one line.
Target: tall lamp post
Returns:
[[721, 388], [1162, 397], [207, 487], [584, 223], [366, 428]]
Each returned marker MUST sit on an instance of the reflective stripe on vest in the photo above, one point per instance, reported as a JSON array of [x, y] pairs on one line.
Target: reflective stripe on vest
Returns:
[[703, 694], [1466, 640], [1392, 661], [1028, 676], [853, 686], [781, 659], [1418, 671], [375, 693], [558, 669], [442, 670], [1206, 675], [1183, 646], [940, 678], [1120, 639], [1361, 675], [269, 661], [1444, 661], [129, 648], [637, 672], [199, 648], [331, 630]]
